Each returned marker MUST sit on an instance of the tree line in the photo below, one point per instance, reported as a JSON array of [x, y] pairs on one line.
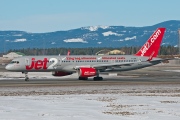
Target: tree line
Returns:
[[164, 50]]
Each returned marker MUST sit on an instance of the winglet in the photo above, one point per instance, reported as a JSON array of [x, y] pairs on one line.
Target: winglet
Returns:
[[151, 47]]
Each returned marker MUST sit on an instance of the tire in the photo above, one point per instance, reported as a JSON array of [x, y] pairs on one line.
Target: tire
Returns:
[[83, 78], [98, 78]]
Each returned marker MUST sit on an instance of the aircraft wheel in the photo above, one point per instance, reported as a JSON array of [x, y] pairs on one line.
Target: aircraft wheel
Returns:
[[27, 79], [97, 78], [83, 78]]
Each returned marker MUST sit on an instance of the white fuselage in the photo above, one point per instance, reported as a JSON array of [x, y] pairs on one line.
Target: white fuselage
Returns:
[[71, 63]]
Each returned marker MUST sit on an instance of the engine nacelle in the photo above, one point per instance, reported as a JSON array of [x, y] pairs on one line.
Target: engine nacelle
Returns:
[[87, 72], [60, 73]]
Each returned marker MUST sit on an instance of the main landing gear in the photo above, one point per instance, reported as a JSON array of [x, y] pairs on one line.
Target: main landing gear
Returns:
[[95, 78], [83, 78], [26, 76]]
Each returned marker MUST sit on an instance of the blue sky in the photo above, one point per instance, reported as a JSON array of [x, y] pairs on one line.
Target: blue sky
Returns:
[[54, 15]]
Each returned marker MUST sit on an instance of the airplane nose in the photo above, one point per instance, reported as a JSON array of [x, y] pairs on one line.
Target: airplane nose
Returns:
[[8, 67]]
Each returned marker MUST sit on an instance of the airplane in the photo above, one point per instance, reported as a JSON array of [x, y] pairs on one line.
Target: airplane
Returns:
[[91, 65]]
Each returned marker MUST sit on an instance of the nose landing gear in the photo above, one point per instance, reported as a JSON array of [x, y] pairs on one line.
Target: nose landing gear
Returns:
[[26, 76]]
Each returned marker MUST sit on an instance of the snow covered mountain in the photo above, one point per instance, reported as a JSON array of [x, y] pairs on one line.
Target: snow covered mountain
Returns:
[[92, 36]]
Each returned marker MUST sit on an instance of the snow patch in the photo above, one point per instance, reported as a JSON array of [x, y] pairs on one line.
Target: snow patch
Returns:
[[172, 70], [121, 40], [75, 40], [53, 43], [173, 31], [111, 33], [20, 40], [94, 28], [130, 38], [126, 39], [176, 46], [90, 35], [18, 35], [165, 43], [90, 107]]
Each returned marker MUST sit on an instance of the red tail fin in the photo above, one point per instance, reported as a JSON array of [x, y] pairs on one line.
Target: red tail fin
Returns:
[[151, 47], [68, 53]]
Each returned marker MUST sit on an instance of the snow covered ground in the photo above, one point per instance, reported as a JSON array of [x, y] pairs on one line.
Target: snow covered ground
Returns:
[[98, 102], [110, 106]]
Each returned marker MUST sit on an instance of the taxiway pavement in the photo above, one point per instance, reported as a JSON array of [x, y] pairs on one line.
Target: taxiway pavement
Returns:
[[161, 74]]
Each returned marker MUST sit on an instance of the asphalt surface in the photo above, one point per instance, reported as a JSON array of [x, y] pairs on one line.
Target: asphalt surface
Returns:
[[161, 74], [2, 68]]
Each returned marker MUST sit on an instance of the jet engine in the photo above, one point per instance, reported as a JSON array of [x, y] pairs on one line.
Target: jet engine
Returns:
[[87, 72], [60, 73]]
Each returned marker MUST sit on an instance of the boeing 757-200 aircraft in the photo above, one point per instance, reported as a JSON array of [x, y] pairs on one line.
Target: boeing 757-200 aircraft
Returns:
[[88, 65]]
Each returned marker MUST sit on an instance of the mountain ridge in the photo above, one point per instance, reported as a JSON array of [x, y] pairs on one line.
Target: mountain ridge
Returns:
[[90, 36]]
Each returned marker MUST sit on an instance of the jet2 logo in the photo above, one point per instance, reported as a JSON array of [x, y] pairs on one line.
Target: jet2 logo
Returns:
[[150, 42], [41, 64]]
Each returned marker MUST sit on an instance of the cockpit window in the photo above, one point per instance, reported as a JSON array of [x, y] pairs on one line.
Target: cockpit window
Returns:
[[12, 62]]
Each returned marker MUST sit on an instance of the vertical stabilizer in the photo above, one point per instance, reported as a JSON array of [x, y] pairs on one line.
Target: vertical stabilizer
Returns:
[[151, 47], [68, 53]]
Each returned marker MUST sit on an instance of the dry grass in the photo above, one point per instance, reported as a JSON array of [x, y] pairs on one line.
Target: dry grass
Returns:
[[123, 113], [169, 101]]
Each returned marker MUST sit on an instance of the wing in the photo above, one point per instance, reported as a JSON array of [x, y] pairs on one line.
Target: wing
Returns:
[[100, 66], [104, 66]]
